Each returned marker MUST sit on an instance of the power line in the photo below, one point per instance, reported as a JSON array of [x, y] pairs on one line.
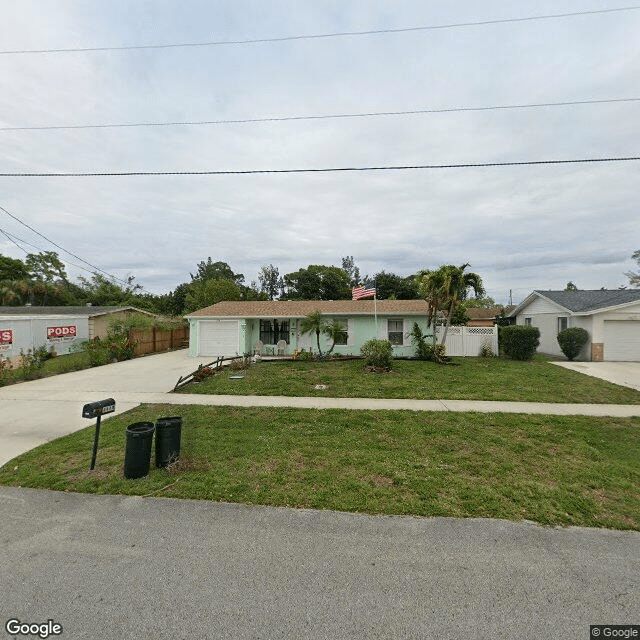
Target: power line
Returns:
[[468, 165], [13, 239], [370, 114], [339, 34], [24, 224]]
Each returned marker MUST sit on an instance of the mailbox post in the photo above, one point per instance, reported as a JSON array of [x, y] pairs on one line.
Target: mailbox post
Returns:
[[97, 410]]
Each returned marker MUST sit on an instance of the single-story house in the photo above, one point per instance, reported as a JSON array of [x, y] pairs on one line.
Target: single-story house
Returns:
[[229, 328], [479, 317], [31, 327], [610, 317]]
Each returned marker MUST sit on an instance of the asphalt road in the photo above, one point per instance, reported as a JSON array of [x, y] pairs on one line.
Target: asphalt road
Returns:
[[131, 567]]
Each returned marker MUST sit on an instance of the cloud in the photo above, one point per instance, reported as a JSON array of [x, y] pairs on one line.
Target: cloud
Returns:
[[521, 228]]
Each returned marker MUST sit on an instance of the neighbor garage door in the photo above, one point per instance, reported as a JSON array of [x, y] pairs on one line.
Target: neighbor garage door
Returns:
[[622, 340], [218, 337]]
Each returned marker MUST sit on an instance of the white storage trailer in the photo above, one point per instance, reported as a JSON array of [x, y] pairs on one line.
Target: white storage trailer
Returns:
[[58, 328]]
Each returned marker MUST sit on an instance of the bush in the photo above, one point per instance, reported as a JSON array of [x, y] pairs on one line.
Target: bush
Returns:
[[486, 350], [304, 356], [572, 340], [520, 341], [377, 353]]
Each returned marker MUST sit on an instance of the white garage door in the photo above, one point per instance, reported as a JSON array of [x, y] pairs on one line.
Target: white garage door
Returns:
[[622, 340], [218, 337]]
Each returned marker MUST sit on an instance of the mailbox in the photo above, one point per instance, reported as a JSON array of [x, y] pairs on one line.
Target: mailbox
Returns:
[[95, 409]]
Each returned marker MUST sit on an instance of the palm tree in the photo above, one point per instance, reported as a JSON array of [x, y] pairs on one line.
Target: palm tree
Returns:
[[431, 288], [333, 331], [444, 290], [314, 322]]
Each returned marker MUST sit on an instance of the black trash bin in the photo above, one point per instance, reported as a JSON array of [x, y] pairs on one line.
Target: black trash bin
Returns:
[[137, 454], [168, 432]]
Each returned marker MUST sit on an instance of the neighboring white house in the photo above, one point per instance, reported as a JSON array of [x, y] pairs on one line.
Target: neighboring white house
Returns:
[[611, 318], [58, 328]]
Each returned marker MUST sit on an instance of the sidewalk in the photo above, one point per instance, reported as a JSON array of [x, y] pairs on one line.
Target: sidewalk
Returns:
[[376, 404], [32, 413]]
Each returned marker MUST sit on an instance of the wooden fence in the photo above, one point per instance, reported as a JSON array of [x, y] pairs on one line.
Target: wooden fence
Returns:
[[154, 340]]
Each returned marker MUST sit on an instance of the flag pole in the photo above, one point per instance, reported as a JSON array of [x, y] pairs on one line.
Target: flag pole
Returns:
[[375, 312]]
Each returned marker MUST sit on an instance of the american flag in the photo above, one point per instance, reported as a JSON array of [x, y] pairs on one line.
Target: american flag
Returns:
[[365, 290]]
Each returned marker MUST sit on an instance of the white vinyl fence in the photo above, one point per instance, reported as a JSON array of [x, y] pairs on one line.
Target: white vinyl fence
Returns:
[[467, 341]]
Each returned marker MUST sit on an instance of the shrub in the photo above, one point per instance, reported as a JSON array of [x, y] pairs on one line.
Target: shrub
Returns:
[[377, 353], [572, 340], [305, 356], [5, 369], [97, 351], [520, 341], [486, 350]]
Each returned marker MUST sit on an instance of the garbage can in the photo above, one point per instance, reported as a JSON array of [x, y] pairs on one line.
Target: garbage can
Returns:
[[137, 454], [168, 432]]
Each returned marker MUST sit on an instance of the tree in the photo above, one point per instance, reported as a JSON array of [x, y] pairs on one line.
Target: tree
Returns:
[[216, 270], [102, 291], [313, 323], [334, 330], [634, 278], [570, 286], [481, 302], [12, 269], [390, 286], [205, 293], [46, 266], [444, 290], [350, 268], [431, 287], [269, 278], [318, 282]]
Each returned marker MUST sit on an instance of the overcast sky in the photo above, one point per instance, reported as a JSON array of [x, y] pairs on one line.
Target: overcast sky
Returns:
[[521, 228]]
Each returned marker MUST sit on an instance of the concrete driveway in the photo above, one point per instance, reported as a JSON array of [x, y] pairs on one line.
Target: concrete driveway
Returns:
[[35, 412], [626, 374]]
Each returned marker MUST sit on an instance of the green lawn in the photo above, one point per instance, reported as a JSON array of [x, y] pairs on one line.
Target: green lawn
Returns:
[[467, 379], [51, 367], [551, 470]]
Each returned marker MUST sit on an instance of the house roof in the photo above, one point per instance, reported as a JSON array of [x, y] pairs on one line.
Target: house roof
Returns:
[[587, 301], [476, 313], [65, 311], [302, 308]]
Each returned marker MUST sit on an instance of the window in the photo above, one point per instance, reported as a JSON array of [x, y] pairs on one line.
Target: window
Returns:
[[562, 324], [271, 331], [395, 332], [527, 321], [342, 338]]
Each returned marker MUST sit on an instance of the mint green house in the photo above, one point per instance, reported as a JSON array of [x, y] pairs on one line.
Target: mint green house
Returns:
[[273, 327]]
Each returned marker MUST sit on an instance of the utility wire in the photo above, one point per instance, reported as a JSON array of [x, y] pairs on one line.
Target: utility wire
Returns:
[[370, 114], [468, 165], [16, 239], [340, 34], [93, 266]]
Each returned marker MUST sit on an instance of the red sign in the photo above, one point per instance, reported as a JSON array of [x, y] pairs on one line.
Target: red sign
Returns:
[[6, 336], [61, 332]]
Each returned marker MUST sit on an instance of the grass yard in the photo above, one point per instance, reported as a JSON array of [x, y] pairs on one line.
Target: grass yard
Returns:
[[51, 367], [552, 470], [467, 379]]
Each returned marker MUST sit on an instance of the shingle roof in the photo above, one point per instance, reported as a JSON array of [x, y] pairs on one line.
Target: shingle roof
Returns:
[[302, 308], [477, 313], [63, 311], [592, 300]]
